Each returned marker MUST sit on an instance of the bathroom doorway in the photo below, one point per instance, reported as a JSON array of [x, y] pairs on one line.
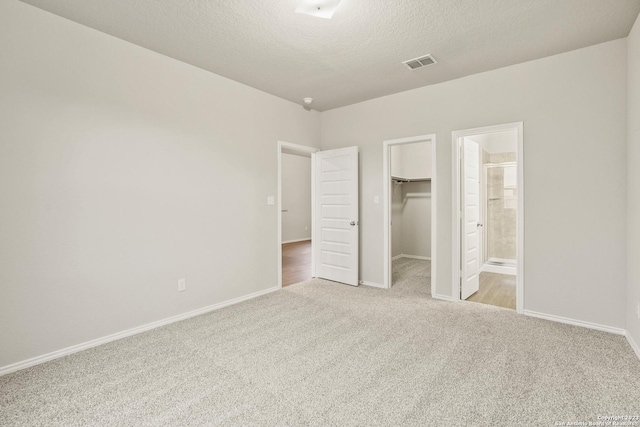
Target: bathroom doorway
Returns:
[[488, 182]]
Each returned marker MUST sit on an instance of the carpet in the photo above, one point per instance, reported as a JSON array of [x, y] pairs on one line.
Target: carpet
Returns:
[[324, 354]]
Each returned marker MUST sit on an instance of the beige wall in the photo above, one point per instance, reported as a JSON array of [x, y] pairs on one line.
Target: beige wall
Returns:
[[296, 197], [502, 157], [411, 219], [573, 106], [397, 206], [411, 160], [633, 183], [411, 202], [500, 223], [416, 219], [122, 171]]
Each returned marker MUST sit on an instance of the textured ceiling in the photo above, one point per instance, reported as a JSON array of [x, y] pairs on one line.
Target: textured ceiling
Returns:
[[356, 55]]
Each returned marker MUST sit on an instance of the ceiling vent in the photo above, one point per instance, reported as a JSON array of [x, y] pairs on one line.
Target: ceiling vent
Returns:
[[423, 61]]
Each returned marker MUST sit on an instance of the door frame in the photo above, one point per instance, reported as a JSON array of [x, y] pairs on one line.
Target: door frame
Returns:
[[386, 200], [305, 151], [456, 136]]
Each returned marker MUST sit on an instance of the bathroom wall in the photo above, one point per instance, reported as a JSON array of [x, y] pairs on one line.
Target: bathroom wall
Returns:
[[502, 157], [501, 213]]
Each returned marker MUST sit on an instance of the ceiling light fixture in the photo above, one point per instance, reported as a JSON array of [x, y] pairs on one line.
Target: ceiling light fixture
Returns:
[[307, 100], [318, 8]]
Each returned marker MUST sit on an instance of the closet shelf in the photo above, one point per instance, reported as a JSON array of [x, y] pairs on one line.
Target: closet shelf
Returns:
[[400, 179]]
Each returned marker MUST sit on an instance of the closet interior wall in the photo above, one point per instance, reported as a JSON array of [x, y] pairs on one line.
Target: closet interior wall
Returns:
[[411, 201]]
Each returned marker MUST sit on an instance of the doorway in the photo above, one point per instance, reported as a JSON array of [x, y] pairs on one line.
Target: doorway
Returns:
[[409, 171], [334, 224], [489, 201], [295, 214]]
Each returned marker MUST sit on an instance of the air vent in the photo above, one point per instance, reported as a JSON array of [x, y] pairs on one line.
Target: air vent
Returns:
[[423, 61]]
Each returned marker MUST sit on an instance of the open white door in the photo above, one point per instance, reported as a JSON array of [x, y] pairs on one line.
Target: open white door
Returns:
[[336, 215], [470, 282]]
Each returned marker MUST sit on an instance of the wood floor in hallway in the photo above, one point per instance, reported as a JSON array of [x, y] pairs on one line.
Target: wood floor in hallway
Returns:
[[496, 289], [296, 262]]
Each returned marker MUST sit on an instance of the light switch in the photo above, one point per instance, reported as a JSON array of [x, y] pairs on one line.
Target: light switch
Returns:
[[271, 200], [376, 199]]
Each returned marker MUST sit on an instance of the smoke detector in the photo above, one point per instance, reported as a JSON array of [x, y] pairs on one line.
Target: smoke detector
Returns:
[[318, 8], [423, 61], [307, 100]]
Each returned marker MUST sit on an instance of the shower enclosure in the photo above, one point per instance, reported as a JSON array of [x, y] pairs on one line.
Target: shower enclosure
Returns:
[[500, 209]]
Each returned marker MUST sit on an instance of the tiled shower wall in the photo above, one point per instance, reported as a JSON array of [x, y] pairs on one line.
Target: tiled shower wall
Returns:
[[500, 221]]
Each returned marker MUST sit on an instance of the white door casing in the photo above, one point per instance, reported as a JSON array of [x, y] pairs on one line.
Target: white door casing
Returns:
[[457, 235], [301, 150], [387, 189], [336, 237], [470, 282]]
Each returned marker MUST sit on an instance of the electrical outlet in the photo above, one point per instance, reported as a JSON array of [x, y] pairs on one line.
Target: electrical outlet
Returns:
[[182, 285], [306, 229]]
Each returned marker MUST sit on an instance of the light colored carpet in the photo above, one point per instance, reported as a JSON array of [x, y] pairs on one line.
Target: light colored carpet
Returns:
[[321, 353]]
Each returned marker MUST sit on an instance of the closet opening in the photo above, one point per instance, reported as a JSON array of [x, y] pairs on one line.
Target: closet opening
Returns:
[[489, 234], [295, 213], [410, 207]]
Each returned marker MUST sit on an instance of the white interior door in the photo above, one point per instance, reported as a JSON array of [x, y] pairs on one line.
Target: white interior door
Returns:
[[470, 282], [336, 215]]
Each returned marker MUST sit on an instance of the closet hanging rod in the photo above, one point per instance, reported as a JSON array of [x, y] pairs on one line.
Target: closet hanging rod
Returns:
[[396, 179]]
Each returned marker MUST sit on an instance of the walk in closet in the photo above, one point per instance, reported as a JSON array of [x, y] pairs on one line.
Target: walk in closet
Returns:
[[411, 201]]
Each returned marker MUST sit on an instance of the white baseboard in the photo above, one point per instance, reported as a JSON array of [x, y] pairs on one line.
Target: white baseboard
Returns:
[[442, 297], [568, 321], [396, 257], [634, 345], [372, 284], [296, 240], [500, 269], [127, 333]]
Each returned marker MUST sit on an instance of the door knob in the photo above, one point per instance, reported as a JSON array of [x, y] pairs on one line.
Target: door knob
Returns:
[[353, 223], [479, 224]]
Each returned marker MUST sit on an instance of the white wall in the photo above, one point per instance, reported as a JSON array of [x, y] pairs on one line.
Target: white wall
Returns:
[[411, 160], [633, 184], [122, 171], [416, 219], [296, 197], [411, 202], [411, 219], [497, 142], [397, 206], [573, 107]]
